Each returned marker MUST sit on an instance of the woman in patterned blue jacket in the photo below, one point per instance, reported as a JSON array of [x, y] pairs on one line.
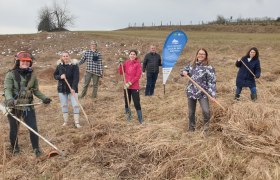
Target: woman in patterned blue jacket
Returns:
[[204, 75]]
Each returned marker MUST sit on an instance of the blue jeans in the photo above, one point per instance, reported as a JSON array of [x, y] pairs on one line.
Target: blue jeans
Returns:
[[151, 82], [252, 89], [204, 104], [64, 103]]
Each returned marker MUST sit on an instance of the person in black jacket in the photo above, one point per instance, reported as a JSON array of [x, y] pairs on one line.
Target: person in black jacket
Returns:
[[249, 69], [151, 64], [68, 70]]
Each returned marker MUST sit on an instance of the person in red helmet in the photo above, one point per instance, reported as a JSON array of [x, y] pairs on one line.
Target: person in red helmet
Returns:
[[19, 87]]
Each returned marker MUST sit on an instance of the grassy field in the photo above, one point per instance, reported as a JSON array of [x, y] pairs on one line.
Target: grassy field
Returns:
[[244, 140]]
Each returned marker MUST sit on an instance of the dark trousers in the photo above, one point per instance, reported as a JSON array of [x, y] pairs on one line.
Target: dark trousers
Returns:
[[30, 119], [252, 89], [151, 82], [95, 80], [204, 104], [135, 96]]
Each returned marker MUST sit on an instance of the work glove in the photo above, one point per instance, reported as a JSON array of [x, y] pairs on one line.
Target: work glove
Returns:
[[127, 85], [120, 60], [10, 103], [47, 101]]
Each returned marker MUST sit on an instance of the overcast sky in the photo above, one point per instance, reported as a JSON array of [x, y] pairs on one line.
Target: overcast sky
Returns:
[[21, 16]]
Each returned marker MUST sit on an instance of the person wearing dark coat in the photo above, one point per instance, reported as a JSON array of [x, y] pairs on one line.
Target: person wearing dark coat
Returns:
[[68, 70], [249, 69], [151, 64]]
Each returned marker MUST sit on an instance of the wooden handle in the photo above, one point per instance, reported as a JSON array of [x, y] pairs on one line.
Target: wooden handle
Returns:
[[76, 98], [199, 87]]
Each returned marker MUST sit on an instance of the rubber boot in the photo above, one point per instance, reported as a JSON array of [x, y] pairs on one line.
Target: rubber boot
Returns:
[[254, 97], [65, 118], [237, 97], [77, 120], [140, 118], [128, 113]]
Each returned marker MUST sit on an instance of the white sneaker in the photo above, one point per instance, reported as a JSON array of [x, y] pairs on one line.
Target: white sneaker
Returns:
[[64, 124], [78, 125]]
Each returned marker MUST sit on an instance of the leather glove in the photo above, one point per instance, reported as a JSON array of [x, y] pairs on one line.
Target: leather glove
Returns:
[[127, 85], [121, 60], [10, 103], [47, 101]]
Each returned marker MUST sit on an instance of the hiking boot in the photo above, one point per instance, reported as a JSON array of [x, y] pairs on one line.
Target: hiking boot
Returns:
[[191, 129], [237, 97], [15, 150], [253, 97], [37, 152], [206, 129]]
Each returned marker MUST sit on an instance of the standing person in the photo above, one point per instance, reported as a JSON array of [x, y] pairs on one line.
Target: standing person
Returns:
[[68, 69], [245, 78], [204, 75], [19, 87], [132, 71], [151, 64], [94, 69]]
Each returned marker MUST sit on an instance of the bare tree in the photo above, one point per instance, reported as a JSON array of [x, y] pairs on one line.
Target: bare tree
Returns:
[[62, 16], [220, 19], [57, 18], [46, 21]]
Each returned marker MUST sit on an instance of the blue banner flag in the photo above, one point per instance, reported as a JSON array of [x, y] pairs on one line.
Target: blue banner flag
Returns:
[[173, 46]]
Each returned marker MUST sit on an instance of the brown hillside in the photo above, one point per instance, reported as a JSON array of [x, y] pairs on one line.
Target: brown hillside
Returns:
[[238, 28], [244, 140]]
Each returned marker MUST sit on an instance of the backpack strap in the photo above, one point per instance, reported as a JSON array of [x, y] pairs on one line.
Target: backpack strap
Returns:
[[17, 78]]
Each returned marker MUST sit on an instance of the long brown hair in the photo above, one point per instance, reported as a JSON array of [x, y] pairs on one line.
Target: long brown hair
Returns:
[[254, 49], [205, 61]]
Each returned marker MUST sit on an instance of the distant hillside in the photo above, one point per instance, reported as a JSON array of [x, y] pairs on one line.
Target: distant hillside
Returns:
[[250, 28]]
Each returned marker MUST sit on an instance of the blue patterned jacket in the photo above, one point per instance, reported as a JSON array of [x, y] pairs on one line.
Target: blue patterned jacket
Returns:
[[203, 76]]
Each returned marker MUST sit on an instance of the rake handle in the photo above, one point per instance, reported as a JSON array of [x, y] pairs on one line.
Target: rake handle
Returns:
[[77, 101], [200, 88], [251, 72], [124, 81], [16, 118]]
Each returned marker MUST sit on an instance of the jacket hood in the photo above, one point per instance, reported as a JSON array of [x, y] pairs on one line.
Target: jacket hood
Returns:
[[72, 61]]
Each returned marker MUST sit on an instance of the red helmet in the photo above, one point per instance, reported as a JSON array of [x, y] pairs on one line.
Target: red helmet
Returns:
[[24, 56]]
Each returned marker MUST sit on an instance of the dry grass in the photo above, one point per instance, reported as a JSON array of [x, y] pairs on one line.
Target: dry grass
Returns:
[[243, 141]]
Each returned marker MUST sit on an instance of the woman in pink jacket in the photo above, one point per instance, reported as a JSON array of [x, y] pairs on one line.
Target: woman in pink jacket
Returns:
[[133, 71]]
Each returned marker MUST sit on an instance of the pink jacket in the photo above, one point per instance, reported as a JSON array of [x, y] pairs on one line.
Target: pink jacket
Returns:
[[133, 72]]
